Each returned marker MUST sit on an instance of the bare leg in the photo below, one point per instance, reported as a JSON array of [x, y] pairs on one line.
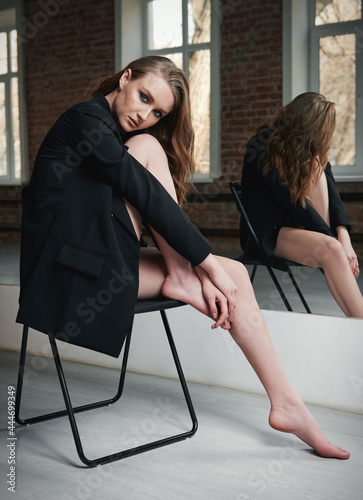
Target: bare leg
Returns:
[[319, 196], [180, 277], [319, 250], [288, 413]]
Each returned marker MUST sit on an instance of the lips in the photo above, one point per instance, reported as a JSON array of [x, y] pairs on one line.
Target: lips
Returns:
[[133, 122]]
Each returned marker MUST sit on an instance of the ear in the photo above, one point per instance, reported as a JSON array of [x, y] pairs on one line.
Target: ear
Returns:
[[124, 78]]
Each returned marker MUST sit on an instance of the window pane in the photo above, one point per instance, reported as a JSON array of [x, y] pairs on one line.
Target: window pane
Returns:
[[165, 24], [14, 50], [3, 53], [335, 11], [199, 21], [337, 83], [3, 135], [16, 126], [177, 58], [199, 80]]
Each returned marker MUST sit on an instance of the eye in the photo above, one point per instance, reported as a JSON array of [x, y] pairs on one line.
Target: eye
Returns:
[[144, 98], [158, 114]]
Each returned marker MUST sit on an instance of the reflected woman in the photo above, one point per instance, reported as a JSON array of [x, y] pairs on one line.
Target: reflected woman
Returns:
[[291, 198], [106, 166]]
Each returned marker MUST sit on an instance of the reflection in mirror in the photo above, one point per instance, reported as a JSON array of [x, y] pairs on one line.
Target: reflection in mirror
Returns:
[[312, 284], [310, 281], [9, 263]]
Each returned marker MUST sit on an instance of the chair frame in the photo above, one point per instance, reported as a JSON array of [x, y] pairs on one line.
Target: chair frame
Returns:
[[142, 306], [270, 264]]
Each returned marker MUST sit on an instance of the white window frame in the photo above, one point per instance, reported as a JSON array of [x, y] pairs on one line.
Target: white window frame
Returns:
[[10, 179], [131, 43], [301, 67]]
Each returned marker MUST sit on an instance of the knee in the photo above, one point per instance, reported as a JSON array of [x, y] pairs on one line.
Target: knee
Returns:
[[329, 250], [239, 272], [146, 149]]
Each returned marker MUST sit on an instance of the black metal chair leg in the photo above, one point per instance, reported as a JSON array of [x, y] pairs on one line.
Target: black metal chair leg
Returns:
[[279, 263], [70, 411], [280, 290], [61, 413], [19, 386], [253, 274], [297, 288], [180, 374]]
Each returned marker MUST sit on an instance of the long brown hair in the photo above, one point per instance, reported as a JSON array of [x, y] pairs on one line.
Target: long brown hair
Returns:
[[175, 131], [301, 132]]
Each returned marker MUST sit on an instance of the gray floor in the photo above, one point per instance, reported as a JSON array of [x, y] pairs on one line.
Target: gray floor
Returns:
[[233, 456]]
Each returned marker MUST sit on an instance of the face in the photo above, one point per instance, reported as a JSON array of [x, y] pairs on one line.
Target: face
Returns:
[[141, 103]]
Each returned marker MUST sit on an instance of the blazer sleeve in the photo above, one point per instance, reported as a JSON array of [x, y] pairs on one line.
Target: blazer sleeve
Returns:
[[108, 157]]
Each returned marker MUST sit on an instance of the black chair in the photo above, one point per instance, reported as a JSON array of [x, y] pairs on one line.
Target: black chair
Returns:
[[270, 263], [142, 306]]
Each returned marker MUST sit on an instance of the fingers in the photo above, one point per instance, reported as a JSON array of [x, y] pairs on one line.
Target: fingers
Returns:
[[218, 307], [219, 291], [228, 292], [223, 312], [353, 261], [212, 305]]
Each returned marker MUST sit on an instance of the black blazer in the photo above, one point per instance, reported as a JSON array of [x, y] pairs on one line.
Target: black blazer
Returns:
[[268, 203], [79, 251]]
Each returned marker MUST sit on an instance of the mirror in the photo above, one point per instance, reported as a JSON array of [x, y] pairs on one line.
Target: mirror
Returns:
[[312, 284], [9, 263], [310, 280]]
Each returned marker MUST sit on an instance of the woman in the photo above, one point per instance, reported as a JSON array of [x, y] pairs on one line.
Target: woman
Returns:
[[292, 200], [82, 267]]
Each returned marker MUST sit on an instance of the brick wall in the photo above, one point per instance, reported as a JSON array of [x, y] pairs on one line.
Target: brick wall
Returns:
[[68, 47]]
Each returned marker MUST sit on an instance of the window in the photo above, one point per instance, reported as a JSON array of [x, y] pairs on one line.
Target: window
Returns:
[[337, 72], [323, 42], [11, 150], [187, 32]]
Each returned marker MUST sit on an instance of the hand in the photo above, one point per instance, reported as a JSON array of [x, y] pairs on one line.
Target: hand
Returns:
[[344, 239], [223, 282], [216, 301]]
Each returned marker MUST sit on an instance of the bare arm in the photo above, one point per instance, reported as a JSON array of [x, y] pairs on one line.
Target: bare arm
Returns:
[[344, 239], [218, 289]]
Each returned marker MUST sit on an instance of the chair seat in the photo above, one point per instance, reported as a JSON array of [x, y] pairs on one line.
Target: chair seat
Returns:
[[158, 304], [269, 262]]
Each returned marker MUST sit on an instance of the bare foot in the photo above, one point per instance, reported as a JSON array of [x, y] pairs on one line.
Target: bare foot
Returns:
[[296, 419], [188, 289]]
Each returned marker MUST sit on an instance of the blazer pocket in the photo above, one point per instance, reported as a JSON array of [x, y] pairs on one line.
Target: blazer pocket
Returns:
[[81, 260]]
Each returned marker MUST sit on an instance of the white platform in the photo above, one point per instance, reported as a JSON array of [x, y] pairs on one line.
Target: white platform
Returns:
[[323, 356]]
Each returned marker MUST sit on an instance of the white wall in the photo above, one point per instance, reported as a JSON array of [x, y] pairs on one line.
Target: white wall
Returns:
[[323, 356]]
